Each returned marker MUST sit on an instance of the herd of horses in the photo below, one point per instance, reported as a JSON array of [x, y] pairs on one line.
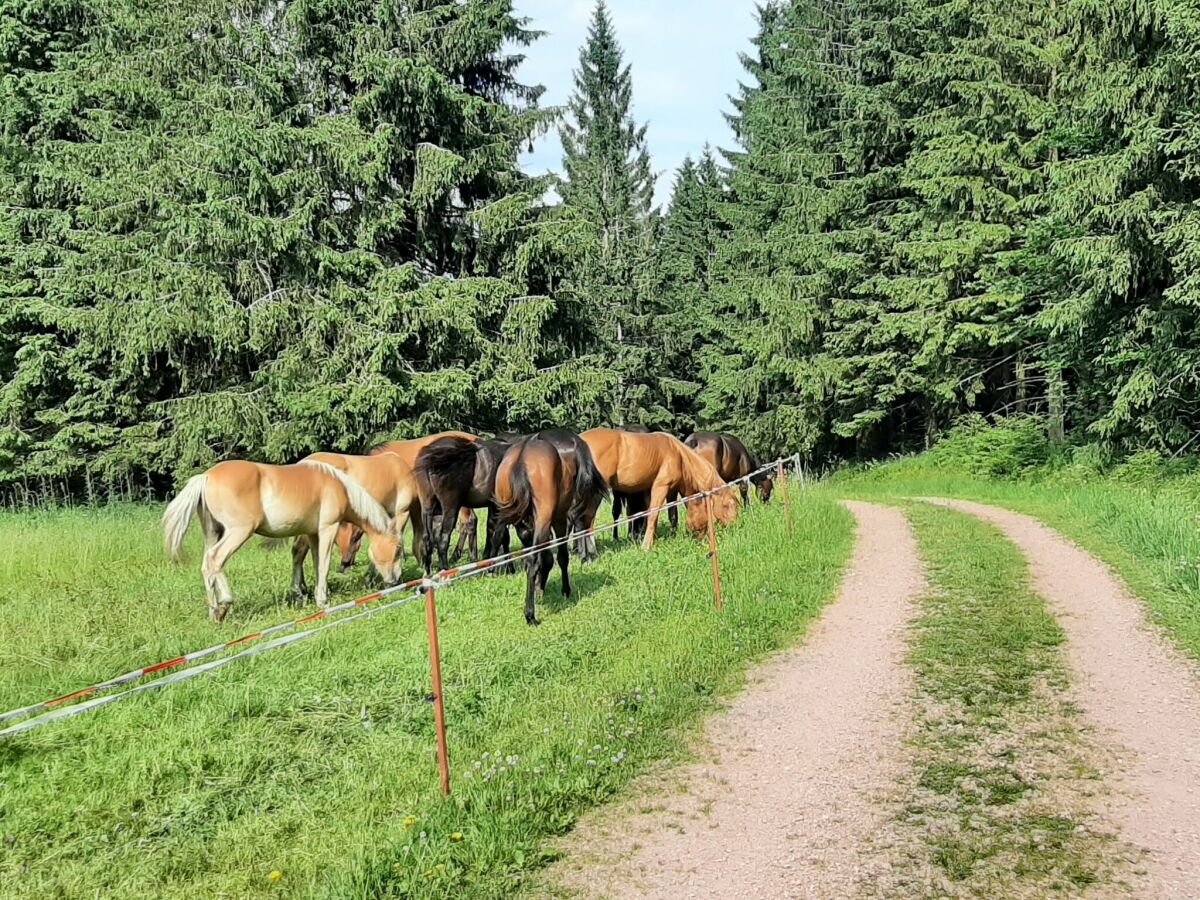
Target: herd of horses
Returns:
[[545, 485]]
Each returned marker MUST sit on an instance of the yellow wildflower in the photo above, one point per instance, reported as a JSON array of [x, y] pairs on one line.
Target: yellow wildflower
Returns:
[[410, 821], [457, 836], [276, 875]]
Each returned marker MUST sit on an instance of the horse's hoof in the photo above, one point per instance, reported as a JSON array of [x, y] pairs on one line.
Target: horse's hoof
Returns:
[[532, 620], [219, 614]]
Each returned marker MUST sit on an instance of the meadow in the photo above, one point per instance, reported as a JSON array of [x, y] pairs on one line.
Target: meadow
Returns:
[[310, 770]]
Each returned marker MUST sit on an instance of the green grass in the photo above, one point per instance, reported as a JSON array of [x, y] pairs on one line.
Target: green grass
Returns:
[[316, 761], [1149, 532], [995, 801]]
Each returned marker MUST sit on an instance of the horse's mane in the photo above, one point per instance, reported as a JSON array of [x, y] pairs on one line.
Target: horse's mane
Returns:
[[701, 474], [366, 507]]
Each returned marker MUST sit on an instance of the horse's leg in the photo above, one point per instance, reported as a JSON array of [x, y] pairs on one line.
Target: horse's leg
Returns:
[[658, 496], [400, 520], [617, 501], [473, 536], [564, 557], [745, 488], [673, 515], [532, 565], [326, 538], [418, 541], [448, 525], [214, 568], [212, 534], [300, 548]]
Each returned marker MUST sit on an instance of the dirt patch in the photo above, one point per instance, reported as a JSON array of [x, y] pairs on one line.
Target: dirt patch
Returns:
[[787, 798], [1137, 692]]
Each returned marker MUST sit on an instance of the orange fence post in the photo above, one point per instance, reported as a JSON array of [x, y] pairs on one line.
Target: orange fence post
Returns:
[[787, 507], [712, 553], [439, 710]]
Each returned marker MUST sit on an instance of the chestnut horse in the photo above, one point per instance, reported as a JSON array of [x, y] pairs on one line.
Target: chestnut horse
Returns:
[[388, 479], [237, 499], [349, 537], [543, 486], [632, 504], [733, 461], [662, 465]]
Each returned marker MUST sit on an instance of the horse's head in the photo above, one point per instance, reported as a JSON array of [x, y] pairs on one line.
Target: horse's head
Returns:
[[765, 487], [387, 555], [724, 508], [349, 537]]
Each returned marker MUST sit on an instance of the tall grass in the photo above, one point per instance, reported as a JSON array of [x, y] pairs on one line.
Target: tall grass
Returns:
[[310, 770]]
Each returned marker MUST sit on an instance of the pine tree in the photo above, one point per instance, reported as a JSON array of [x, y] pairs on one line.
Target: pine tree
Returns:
[[608, 192]]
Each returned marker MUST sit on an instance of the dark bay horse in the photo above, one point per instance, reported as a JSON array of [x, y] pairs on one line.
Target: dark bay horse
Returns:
[[732, 460], [545, 486], [452, 474]]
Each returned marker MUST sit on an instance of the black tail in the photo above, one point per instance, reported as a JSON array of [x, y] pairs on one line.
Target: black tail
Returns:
[[590, 486], [448, 460], [520, 504]]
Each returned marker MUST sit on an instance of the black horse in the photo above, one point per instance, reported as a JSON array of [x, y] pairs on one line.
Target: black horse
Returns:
[[453, 473]]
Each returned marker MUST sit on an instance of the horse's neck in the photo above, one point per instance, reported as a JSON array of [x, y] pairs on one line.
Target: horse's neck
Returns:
[[701, 477]]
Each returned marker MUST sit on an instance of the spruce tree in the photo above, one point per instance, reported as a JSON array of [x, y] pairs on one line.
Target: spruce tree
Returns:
[[607, 193], [267, 230]]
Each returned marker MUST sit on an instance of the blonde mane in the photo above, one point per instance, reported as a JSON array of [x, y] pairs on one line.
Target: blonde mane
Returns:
[[701, 474], [366, 507]]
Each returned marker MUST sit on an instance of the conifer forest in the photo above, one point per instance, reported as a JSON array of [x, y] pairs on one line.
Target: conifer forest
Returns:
[[259, 229]]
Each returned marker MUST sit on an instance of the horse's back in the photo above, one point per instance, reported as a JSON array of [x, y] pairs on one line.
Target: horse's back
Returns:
[[410, 449]]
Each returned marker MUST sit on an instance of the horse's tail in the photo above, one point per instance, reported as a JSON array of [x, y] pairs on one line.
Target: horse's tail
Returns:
[[520, 504], [368, 510], [179, 513], [590, 486], [448, 459]]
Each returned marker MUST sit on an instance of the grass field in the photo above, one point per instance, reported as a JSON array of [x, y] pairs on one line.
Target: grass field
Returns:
[[310, 770], [1148, 531]]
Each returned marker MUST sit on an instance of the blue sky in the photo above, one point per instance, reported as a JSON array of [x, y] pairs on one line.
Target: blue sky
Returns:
[[684, 55]]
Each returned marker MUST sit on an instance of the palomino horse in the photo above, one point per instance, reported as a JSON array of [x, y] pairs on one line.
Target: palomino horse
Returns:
[[661, 464], [542, 490], [388, 479], [349, 538], [455, 474], [732, 460], [237, 499]]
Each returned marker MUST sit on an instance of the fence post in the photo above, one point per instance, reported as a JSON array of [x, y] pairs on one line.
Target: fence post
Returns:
[[712, 553], [787, 506], [439, 710]]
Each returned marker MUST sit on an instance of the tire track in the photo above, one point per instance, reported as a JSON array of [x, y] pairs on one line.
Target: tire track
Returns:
[[1135, 688], [789, 803]]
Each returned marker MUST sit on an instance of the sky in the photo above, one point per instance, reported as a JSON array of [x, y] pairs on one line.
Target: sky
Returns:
[[684, 55]]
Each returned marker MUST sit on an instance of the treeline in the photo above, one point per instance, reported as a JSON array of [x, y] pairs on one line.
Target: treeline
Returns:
[[262, 228]]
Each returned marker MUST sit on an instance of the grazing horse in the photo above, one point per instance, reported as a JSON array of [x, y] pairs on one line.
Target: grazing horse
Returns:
[[350, 537], [633, 504], [388, 479], [732, 460], [452, 474], [542, 489], [662, 465], [237, 499]]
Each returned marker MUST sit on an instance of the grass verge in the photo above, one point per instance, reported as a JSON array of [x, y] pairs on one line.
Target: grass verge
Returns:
[[997, 801], [310, 771]]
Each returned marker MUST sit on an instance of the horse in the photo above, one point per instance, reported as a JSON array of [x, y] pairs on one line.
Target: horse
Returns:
[[452, 474], [349, 537], [631, 504], [732, 460], [662, 465], [542, 490], [237, 499], [390, 480]]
